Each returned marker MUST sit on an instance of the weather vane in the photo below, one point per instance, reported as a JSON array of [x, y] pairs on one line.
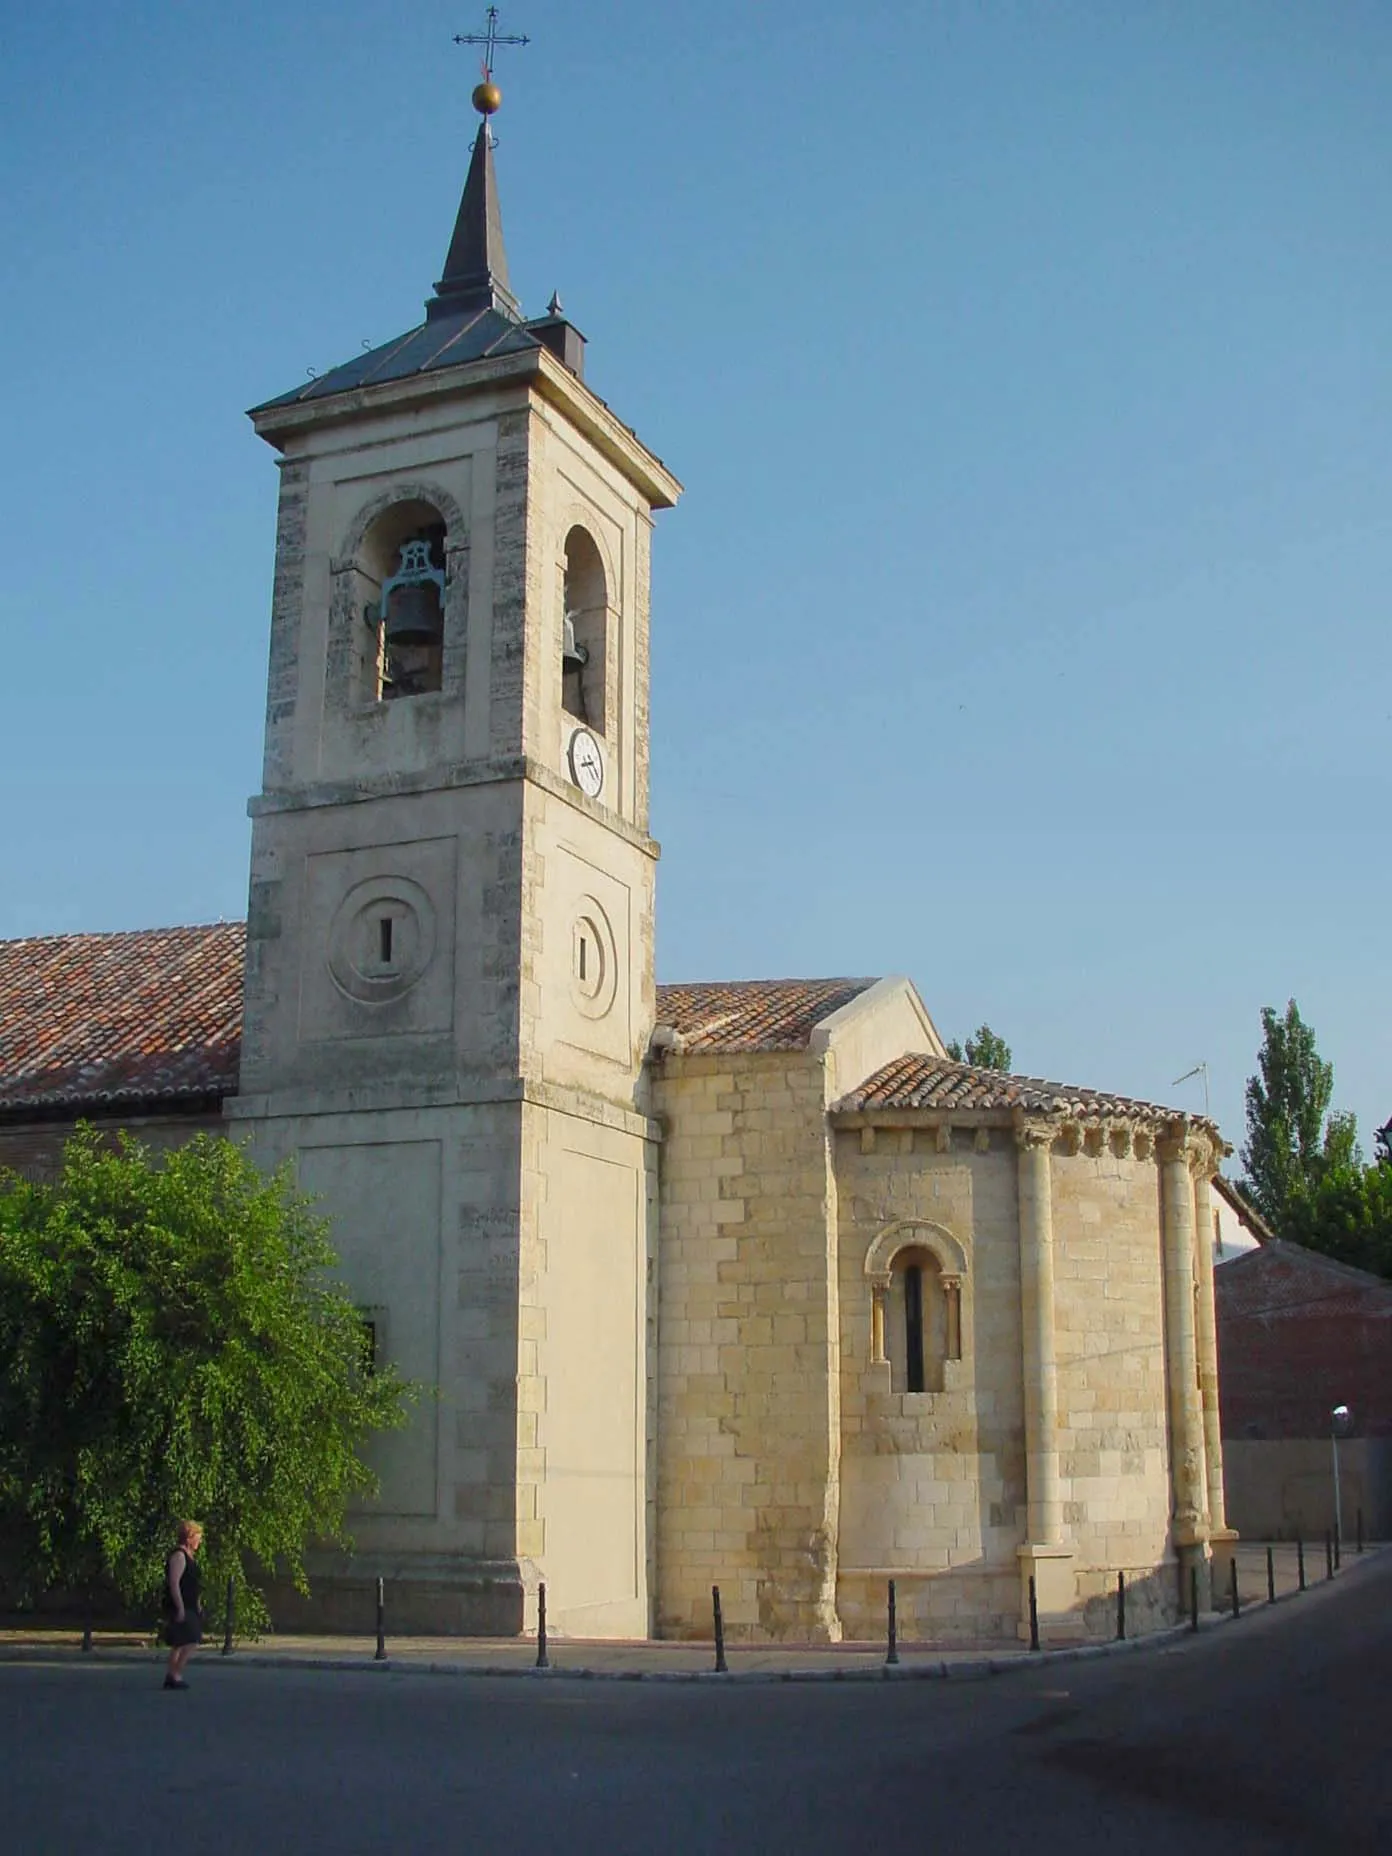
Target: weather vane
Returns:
[[487, 96]]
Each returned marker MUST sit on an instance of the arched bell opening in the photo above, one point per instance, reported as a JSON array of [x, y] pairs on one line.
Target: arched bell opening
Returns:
[[401, 581], [584, 626]]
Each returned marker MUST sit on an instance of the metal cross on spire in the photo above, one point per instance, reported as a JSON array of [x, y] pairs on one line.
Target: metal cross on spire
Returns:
[[490, 40]]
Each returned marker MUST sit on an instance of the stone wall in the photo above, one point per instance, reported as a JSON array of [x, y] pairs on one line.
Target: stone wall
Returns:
[[1110, 1328], [932, 1483], [583, 1368], [748, 1425]]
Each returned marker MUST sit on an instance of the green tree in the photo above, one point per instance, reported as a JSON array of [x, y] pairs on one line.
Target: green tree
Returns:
[[1292, 1139], [983, 1049], [173, 1344], [1346, 1214]]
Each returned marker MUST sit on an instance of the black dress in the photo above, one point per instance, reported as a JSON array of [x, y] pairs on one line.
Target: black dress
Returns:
[[189, 1628]]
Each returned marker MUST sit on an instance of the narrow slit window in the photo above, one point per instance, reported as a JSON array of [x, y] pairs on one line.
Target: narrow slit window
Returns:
[[384, 928], [913, 1328]]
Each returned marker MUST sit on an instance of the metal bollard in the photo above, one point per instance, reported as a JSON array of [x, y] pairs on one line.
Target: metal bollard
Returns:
[[381, 1655], [892, 1652], [1232, 1582], [1034, 1616], [1121, 1607], [1328, 1554], [543, 1661], [1360, 1530], [1299, 1563], [231, 1618], [87, 1635], [1193, 1598], [1270, 1576], [722, 1668]]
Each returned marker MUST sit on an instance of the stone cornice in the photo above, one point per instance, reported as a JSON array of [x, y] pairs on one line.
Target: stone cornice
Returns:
[[1131, 1136], [537, 369], [393, 1098], [498, 770]]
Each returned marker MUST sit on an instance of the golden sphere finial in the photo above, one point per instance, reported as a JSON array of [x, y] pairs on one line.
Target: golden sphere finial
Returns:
[[487, 97]]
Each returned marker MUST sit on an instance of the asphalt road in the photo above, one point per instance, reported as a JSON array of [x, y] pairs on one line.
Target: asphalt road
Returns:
[[1268, 1735]]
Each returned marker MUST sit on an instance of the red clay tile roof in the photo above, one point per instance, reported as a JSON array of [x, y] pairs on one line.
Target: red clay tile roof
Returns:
[[733, 1015], [926, 1082], [1280, 1279], [106, 1020]]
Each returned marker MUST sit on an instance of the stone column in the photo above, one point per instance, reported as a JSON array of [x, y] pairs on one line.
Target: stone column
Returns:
[[1222, 1539], [879, 1288], [1044, 1556], [1181, 1348], [952, 1322]]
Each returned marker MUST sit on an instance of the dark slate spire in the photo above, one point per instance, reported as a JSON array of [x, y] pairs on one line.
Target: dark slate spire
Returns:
[[476, 272]]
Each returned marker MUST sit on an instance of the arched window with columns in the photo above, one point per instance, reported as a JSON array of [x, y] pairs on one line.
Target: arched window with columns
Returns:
[[915, 1273]]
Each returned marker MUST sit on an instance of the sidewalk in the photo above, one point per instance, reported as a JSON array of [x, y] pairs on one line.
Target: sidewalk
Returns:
[[594, 1659]]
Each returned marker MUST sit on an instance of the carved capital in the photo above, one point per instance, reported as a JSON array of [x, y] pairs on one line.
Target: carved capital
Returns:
[[1204, 1155], [1033, 1134], [1173, 1142]]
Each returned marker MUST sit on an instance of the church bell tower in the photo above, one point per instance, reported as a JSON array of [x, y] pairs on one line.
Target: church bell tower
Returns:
[[449, 987]]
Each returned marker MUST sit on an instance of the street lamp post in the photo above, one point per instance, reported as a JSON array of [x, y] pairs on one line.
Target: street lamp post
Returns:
[[1338, 1424]]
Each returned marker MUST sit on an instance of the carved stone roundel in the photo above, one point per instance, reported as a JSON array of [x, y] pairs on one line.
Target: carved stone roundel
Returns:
[[382, 939], [594, 969]]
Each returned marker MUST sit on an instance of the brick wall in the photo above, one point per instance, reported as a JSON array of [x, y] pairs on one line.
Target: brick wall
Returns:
[[1297, 1335], [35, 1149]]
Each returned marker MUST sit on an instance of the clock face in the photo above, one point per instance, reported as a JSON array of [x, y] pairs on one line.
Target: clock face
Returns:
[[586, 763]]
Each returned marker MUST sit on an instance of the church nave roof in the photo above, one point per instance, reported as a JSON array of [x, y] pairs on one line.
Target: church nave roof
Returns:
[[752, 1015], [108, 1020]]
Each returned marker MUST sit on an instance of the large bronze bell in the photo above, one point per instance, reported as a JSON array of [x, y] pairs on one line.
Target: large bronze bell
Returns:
[[412, 616], [412, 608]]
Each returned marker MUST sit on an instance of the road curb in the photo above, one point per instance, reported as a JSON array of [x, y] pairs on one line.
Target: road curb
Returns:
[[975, 1669]]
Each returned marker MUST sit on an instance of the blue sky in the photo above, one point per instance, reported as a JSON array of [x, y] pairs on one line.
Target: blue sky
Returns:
[[1023, 627]]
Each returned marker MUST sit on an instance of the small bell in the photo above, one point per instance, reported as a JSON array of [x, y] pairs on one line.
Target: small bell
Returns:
[[574, 657]]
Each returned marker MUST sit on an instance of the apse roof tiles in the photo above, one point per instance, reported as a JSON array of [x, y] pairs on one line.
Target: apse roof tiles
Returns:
[[109, 1020], [921, 1081]]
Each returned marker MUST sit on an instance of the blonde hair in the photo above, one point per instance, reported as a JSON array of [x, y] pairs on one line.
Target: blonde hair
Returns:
[[189, 1533]]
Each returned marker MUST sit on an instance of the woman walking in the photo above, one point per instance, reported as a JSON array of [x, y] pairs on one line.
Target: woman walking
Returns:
[[181, 1583]]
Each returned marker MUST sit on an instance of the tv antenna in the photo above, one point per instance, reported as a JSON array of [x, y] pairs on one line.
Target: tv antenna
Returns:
[[1199, 1069]]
